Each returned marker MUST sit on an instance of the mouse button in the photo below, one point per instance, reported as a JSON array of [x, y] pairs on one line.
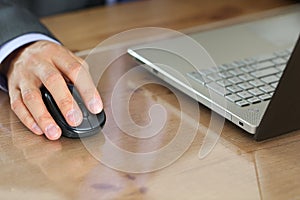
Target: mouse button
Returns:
[[83, 109], [101, 117], [85, 125], [93, 121], [78, 100], [53, 108], [74, 93]]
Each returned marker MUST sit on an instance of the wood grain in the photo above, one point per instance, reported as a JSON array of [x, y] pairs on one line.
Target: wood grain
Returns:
[[85, 29]]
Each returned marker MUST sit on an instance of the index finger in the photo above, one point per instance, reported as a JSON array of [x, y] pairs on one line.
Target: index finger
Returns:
[[77, 71]]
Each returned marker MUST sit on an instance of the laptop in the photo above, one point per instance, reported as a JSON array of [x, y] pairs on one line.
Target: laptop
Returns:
[[252, 78]]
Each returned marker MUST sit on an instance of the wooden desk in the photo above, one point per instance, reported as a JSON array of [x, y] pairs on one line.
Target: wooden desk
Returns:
[[32, 167]]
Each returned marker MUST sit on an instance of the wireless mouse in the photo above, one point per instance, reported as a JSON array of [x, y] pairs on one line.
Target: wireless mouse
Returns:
[[91, 123]]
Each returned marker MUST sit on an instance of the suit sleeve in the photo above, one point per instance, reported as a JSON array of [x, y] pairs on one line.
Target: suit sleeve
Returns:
[[16, 21]]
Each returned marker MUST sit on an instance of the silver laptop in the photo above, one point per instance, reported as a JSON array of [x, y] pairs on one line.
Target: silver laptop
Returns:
[[254, 79]]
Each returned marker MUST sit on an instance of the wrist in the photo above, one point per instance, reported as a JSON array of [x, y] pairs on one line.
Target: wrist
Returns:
[[6, 64]]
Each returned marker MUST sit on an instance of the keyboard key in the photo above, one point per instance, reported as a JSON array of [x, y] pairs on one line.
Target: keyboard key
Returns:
[[236, 72], [234, 88], [214, 77], [279, 75], [282, 53], [225, 74], [224, 83], [227, 66], [254, 100], [233, 98], [274, 85], [249, 61], [256, 83], [264, 72], [247, 69], [245, 85], [235, 80], [246, 77], [245, 94], [263, 65], [270, 79], [281, 67], [242, 103], [217, 88], [265, 97], [206, 72], [256, 91], [279, 61], [267, 89], [239, 63], [264, 58]]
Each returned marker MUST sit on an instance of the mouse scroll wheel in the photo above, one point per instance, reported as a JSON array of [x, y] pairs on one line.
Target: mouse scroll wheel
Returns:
[[83, 110]]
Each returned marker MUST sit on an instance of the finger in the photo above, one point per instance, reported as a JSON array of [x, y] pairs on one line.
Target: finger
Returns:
[[77, 71], [56, 84], [33, 101], [22, 112]]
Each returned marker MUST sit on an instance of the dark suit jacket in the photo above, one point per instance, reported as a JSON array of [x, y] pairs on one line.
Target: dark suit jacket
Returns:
[[18, 17]]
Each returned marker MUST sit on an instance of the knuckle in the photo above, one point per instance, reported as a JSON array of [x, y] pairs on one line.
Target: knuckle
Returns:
[[51, 77], [32, 58], [65, 103], [16, 104], [49, 46], [23, 63], [88, 93], [27, 120], [30, 94], [74, 68], [43, 118]]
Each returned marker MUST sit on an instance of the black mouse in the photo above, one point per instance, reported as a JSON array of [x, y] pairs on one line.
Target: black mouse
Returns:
[[91, 123]]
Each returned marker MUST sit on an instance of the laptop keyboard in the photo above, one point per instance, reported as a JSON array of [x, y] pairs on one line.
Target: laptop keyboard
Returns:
[[247, 81]]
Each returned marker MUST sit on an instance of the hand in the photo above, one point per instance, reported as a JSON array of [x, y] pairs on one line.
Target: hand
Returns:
[[50, 64]]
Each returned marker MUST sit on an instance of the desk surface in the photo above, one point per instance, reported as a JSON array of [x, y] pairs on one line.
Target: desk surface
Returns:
[[237, 167]]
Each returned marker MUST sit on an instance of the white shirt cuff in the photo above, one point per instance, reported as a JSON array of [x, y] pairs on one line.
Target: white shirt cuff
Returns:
[[14, 44]]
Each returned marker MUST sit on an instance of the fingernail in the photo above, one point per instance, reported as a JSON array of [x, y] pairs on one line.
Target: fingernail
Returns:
[[37, 129], [74, 116], [95, 105], [52, 131]]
